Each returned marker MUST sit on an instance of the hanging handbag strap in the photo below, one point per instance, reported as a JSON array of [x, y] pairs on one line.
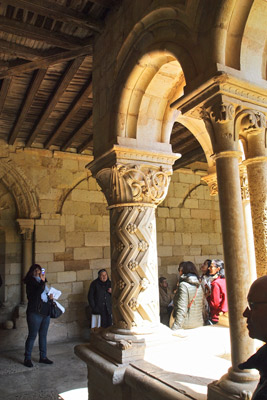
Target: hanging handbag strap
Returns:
[[192, 301]]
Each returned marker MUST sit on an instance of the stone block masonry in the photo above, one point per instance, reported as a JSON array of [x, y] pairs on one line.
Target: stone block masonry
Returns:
[[71, 234]]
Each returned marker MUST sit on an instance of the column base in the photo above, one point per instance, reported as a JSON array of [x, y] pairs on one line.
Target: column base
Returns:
[[127, 347], [117, 369], [233, 386]]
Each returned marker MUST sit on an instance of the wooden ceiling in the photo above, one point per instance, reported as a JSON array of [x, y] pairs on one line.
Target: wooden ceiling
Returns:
[[46, 55]]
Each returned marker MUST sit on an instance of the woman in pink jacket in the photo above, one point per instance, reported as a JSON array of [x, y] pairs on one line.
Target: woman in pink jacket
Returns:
[[218, 296]]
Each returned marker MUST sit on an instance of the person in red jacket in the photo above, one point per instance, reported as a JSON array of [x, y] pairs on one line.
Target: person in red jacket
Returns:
[[218, 296]]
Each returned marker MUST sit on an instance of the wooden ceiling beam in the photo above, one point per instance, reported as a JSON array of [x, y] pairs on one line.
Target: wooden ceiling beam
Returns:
[[107, 3], [19, 51], [85, 144], [83, 125], [3, 92], [188, 158], [47, 61], [27, 102], [35, 33], [72, 110], [54, 98], [54, 10]]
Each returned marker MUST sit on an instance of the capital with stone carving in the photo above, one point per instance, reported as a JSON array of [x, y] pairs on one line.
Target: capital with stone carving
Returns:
[[26, 227], [211, 181]]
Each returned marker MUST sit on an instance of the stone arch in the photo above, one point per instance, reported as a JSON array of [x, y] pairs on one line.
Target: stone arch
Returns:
[[20, 188], [254, 42], [155, 44]]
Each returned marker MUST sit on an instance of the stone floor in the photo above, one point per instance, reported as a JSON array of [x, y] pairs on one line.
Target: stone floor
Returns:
[[188, 363], [65, 379]]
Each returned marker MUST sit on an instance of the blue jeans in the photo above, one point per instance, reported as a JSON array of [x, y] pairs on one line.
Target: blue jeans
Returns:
[[37, 323]]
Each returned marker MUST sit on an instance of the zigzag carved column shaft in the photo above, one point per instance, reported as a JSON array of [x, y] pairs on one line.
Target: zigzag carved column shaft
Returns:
[[134, 183], [134, 267]]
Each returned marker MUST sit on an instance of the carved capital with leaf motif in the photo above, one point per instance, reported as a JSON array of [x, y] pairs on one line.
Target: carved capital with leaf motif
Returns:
[[134, 183]]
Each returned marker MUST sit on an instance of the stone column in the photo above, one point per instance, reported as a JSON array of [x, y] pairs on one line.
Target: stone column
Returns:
[[219, 119], [248, 222], [134, 183], [211, 181], [252, 126], [26, 227]]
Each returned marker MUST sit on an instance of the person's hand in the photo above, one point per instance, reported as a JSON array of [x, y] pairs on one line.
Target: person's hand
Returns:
[[109, 290], [51, 296]]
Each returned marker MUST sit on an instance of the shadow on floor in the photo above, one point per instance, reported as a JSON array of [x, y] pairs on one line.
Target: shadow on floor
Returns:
[[65, 379]]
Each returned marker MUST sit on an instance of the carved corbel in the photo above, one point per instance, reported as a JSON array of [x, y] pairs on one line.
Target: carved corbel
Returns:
[[26, 227]]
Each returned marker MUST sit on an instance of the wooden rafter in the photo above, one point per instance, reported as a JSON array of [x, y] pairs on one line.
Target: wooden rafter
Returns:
[[188, 158], [76, 104], [106, 3], [35, 33], [44, 62], [54, 98], [56, 11], [3, 92], [19, 51], [85, 144], [33, 88], [83, 125]]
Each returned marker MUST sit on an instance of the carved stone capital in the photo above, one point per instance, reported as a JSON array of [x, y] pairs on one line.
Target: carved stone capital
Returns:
[[134, 183], [128, 176], [211, 181], [26, 227], [250, 121]]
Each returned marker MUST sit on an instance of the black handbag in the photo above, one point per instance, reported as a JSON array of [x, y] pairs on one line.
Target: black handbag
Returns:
[[55, 311]]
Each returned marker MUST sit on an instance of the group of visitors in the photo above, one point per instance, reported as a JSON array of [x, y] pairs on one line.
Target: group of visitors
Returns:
[[197, 299], [186, 305]]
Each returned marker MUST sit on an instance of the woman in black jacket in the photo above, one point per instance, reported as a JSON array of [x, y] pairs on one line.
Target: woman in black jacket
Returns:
[[38, 313], [99, 298]]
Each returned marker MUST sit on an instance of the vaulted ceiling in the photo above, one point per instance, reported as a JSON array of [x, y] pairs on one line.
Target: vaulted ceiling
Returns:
[[46, 56]]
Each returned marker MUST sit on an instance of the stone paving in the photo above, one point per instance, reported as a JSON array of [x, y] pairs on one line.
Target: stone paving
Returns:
[[66, 379]]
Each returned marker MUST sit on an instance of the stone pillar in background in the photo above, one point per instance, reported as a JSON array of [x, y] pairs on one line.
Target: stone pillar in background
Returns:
[[26, 227], [248, 222], [211, 181], [134, 183], [252, 127], [219, 118]]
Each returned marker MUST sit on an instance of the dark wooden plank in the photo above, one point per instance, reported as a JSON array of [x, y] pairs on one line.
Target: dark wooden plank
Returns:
[[47, 61], [56, 11], [33, 88], [63, 84], [19, 51], [107, 3], [86, 144], [3, 92], [36, 33], [72, 110], [76, 133], [188, 158]]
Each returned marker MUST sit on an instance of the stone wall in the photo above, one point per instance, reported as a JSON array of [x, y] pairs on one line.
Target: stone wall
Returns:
[[188, 224], [71, 237]]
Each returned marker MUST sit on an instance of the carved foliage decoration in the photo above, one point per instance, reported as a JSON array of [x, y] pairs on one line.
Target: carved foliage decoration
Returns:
[[134, 267], [128, 183], [251, 120]]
